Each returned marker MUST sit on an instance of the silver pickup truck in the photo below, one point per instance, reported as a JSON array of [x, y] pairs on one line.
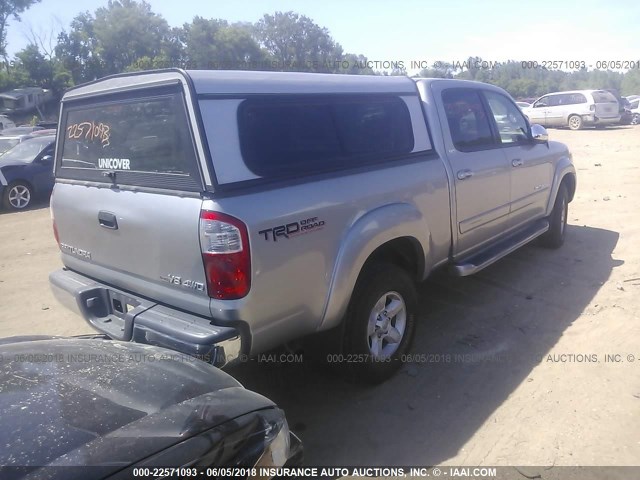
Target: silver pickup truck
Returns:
[[223, 213]]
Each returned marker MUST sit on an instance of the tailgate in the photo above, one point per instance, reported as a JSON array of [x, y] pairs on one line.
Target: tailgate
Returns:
[[127, 200]]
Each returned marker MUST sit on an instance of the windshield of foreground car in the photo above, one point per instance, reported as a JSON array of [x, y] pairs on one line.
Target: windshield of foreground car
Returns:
[[28, 150]]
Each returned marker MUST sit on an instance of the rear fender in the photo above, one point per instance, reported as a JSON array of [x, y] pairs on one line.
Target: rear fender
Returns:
[[375, 228]]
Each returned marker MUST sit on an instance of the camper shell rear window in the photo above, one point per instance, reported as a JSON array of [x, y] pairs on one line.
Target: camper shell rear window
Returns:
[[142, 141]]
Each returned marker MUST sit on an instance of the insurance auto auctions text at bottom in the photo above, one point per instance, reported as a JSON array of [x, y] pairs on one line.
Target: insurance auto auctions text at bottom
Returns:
[[335, 472]]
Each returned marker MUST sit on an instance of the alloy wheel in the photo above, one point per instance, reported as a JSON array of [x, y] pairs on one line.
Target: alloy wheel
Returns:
[[387, 324]]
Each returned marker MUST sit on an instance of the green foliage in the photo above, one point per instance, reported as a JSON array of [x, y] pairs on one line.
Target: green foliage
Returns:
[[630, 84], [353, 64], [214, 44], [295, 42], [440, 69], [10, 9], [5, 81], [33, 69], [522, 81], [35, 66], [78, 50], [125, 31]]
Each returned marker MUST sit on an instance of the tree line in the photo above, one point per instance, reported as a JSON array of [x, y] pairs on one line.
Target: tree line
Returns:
[[525, 79], [126, 35]]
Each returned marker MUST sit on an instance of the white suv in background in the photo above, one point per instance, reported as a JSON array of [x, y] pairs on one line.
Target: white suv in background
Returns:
[[634, 106], [575, 109]]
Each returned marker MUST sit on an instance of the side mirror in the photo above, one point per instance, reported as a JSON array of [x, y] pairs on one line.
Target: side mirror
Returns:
[[539, 134], [46, 159]]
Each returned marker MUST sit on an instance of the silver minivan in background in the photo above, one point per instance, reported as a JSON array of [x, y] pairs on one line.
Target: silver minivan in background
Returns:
[[575, 109], [634, 106]]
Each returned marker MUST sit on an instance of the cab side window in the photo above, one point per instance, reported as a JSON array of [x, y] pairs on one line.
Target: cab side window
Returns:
[[510, 122], [467, 119]]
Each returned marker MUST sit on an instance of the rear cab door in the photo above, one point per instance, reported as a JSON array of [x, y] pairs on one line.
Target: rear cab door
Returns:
[[129, 184]]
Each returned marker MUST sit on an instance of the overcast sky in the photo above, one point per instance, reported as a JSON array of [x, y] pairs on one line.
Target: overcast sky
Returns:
[[411, 30]]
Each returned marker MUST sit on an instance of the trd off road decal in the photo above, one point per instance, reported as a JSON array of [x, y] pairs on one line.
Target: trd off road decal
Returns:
[[292, 229]]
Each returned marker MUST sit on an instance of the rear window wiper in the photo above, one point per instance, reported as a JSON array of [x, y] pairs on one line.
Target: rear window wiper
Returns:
[[112, 175]]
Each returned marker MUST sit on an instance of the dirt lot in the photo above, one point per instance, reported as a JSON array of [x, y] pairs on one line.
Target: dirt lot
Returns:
[[514, 369]]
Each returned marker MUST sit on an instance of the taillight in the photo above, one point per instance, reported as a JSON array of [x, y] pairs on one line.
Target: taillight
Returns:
[[225, 252], [55, 229]]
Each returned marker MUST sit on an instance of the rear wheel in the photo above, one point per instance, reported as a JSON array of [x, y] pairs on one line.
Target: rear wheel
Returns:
[[635, 119], [17, 196], [554, 237], [380, 323], [575, 122]]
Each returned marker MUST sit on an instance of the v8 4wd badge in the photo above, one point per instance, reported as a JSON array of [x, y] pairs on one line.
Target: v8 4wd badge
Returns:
[[176, 280]]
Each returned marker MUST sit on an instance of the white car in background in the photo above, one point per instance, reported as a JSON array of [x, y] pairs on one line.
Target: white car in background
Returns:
[[523, 105], [575, 109], [634, 106]]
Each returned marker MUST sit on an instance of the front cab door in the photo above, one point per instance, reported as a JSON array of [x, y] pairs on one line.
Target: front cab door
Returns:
[[530, 163]]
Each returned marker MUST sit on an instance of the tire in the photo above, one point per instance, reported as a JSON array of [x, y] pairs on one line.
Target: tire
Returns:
[[635, 119], [575, 122], [17, 196], [554, 237], [375, 337]]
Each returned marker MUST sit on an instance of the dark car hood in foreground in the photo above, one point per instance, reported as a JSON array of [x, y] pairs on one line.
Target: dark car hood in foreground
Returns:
[[100, 402], [11, 163]]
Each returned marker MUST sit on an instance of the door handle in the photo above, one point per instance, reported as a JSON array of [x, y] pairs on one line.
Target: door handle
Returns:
[[464, 174], [516, 162], [107, 220]]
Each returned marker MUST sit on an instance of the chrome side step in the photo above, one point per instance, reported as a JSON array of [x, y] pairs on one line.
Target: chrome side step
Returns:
[[483, 259]]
